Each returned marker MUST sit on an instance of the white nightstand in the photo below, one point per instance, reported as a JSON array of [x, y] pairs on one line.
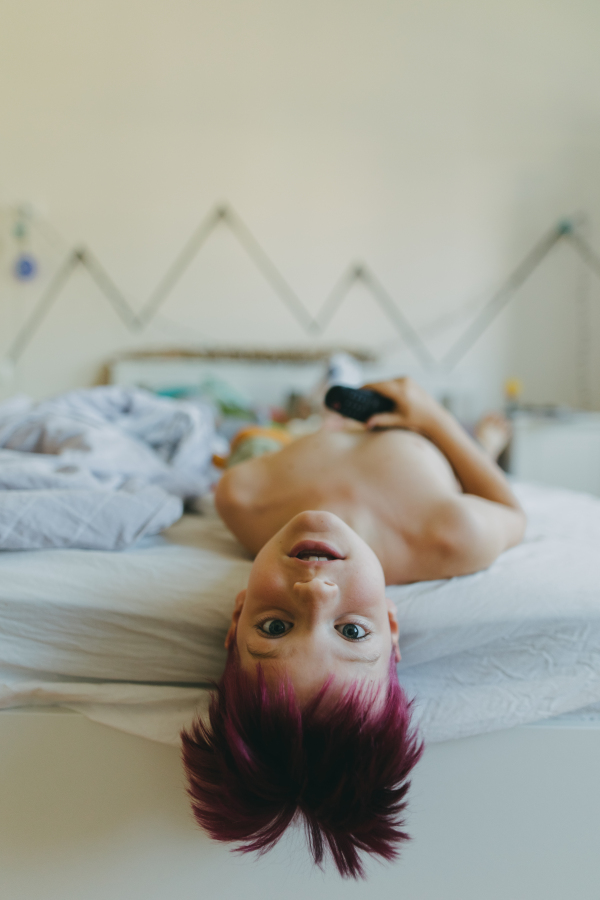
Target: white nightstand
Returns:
[[561, 450]]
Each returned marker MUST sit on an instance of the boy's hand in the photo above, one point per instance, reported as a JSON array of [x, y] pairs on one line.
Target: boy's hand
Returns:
[[415, 408]]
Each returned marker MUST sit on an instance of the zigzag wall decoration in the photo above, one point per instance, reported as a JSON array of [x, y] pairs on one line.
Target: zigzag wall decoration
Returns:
[[313, 326]]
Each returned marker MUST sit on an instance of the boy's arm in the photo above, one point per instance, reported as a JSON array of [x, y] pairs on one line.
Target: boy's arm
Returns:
[[487, 518]]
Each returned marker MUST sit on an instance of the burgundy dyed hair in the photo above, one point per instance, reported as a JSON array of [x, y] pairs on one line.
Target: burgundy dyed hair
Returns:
[[342, 767]]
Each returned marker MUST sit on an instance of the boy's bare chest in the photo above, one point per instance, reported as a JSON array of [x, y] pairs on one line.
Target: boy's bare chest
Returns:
[[380, 484], [398, 467]]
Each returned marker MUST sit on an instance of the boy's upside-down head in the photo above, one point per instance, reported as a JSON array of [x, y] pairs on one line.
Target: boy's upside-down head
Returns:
[[309, 721]]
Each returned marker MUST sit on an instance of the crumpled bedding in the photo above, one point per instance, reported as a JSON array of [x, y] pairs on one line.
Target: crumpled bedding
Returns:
[[514, 644], [99, 468]]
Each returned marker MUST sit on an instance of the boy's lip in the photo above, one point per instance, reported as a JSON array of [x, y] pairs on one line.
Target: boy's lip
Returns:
[[316, 548]]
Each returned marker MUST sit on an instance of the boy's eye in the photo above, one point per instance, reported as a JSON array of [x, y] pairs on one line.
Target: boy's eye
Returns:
[[351, 631], [274, 627]]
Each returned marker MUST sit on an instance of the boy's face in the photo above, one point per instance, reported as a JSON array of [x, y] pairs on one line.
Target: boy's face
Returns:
[[315, 607]]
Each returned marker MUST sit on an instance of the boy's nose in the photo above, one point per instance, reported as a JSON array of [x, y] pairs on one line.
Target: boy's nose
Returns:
[[316, 590]]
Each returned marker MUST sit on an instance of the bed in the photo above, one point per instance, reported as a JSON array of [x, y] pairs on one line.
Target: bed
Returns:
[[136, 637], [133, 639]]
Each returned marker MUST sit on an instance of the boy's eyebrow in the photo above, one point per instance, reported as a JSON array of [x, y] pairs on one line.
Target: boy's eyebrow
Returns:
[[362, 659], [260, 654]]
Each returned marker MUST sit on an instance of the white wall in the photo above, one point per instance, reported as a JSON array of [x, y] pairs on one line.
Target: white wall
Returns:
[[433, 140]]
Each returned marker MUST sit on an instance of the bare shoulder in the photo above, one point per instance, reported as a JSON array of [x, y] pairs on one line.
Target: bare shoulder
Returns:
[[238, 487], [238, 502], [464, 534]]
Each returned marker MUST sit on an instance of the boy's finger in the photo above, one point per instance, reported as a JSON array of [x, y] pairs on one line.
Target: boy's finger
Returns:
[[385, 420], [385, 388]]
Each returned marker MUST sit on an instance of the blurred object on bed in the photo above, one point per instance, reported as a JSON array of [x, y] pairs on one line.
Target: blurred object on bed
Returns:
[[247, 387]]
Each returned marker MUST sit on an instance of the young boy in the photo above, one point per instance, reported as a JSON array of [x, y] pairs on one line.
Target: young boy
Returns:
[[332, 518]]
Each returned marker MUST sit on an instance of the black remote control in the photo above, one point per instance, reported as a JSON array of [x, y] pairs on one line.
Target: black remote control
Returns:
[[357, 403]]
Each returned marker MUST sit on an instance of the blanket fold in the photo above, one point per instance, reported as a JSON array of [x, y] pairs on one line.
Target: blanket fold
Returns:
[[99, 468]]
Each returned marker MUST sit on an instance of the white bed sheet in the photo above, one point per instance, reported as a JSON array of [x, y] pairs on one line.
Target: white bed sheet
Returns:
[[156, 612], [514, 644]]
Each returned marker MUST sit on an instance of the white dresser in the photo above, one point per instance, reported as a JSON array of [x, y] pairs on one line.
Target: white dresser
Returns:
[[561, 449]]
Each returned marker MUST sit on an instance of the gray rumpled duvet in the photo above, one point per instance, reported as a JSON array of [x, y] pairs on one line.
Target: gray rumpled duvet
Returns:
[[99, 468]]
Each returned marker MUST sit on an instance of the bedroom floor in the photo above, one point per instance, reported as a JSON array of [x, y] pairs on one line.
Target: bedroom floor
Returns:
[[90, 813]]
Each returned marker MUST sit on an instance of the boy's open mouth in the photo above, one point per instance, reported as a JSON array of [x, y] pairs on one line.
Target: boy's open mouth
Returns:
[[315, 551]]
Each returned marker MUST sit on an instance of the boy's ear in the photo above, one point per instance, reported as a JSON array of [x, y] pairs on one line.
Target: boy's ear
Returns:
[[394, 628], [235, 616]]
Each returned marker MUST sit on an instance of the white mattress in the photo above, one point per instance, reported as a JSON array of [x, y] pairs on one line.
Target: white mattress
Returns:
[[513, 644], [157, 612]]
